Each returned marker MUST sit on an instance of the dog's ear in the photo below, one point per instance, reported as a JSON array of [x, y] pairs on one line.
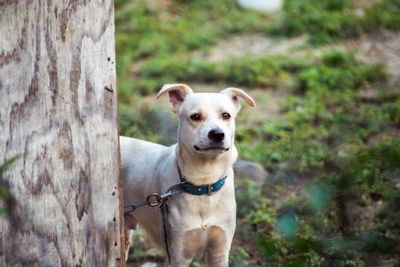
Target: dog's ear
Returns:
[[177, 94], [234, 93]]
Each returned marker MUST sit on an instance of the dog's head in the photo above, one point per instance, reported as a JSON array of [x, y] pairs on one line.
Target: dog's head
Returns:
[[207, 120]]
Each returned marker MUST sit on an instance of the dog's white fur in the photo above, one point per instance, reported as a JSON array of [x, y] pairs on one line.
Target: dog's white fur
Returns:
[[197, 223]]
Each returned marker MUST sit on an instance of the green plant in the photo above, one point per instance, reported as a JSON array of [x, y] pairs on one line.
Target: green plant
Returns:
[[5, 194], [333, 20]]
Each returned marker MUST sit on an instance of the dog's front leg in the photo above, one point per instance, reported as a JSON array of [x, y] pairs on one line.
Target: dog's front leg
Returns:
[[218, 260], [218, 246], [178, 261], [185, 245]]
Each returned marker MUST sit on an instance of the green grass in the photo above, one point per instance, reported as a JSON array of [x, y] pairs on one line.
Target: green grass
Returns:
[[6, 198], [312, 229], [266, 71], [321, 115], [147, 31], [163, 39], [335, 20], [326, 134]]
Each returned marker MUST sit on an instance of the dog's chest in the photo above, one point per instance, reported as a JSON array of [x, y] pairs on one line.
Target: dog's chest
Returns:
[[198, 240], [190, 211]]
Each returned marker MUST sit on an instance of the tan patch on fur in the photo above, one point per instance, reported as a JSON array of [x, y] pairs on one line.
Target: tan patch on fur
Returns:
[[216, 243], [192, 242]]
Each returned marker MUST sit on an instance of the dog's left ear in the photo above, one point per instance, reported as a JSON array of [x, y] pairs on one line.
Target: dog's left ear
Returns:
[[177, 94], [234, 93]]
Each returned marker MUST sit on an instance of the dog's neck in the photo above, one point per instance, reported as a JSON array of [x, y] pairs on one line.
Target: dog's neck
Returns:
[[201, 169]]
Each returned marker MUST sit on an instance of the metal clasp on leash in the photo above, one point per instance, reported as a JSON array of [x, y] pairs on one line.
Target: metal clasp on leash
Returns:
[[153, 200]]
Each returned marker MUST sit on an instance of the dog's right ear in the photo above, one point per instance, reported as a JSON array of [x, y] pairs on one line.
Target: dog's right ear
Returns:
[[177, 94], [234, 93]]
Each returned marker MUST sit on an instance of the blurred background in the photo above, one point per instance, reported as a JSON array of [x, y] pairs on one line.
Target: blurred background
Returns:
[[318, 180]]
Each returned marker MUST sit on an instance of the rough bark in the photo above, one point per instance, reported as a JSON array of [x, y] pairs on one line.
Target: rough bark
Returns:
[[58, 111]]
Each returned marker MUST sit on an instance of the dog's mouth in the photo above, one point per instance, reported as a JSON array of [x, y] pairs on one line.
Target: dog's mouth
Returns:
[[210, 148]]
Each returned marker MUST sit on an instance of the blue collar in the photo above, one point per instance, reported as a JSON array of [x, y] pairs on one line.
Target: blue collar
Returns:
[[208, 189]]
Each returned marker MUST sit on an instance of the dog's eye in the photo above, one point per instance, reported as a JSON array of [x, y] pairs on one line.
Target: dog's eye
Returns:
[[195, 117], [226, 116]]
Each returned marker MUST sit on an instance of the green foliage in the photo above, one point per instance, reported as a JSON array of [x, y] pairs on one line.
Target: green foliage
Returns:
[[325, 116], [6, 165], [391, 112], [162, 38], [338, 71], [325, 134], [333, 20], [324, 20], [251, 71], [149, 31], [385, 14], [239, 257], [5, 196], [375, 167], [141, 251], [315, 234]]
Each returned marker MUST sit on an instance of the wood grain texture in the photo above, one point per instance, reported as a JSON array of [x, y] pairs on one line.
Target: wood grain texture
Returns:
[[58, 111]]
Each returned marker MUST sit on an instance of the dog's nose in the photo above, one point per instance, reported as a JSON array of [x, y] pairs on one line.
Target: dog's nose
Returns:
[[217, 135]]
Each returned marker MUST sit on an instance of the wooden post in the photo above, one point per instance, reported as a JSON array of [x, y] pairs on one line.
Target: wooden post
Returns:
[[58, 111]]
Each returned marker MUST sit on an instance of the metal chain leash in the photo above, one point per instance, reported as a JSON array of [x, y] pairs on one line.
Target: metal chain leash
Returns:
[[153, 200]]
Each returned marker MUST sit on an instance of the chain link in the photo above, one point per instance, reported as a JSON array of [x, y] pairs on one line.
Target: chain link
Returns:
[[153, 200]]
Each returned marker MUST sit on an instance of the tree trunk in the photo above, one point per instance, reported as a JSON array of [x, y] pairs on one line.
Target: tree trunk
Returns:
[[58, 112]]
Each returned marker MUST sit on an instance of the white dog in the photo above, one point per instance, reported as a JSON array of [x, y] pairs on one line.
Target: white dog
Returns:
[[200, 216]]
